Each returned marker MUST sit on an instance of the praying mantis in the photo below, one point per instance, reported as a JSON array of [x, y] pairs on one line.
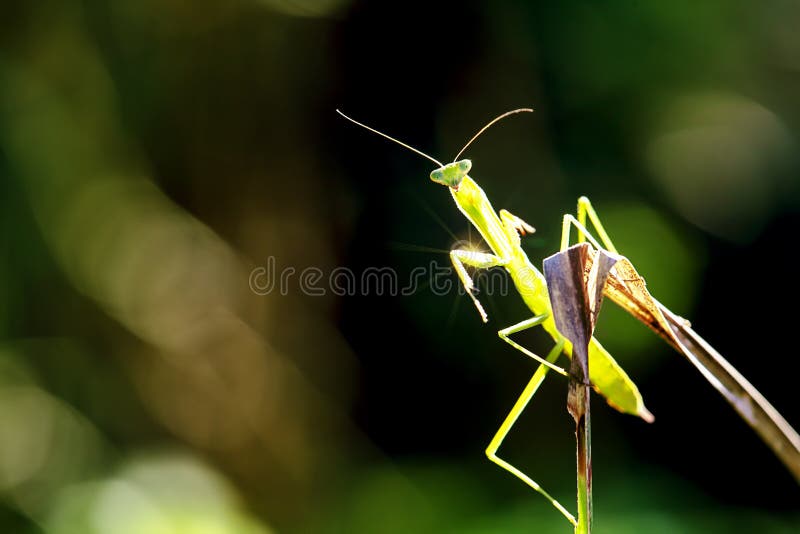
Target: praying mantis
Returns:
[[502, 231]]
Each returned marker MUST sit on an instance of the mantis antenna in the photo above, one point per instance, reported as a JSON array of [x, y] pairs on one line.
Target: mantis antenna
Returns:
[[501, 117], [373, 130]]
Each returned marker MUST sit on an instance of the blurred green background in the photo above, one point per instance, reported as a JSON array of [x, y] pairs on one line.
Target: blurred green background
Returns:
[[153, 153]]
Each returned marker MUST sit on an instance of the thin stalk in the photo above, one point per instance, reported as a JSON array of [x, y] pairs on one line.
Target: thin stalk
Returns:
[[583, 434]]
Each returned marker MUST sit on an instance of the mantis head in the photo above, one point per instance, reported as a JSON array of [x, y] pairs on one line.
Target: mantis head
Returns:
[[452, 173]]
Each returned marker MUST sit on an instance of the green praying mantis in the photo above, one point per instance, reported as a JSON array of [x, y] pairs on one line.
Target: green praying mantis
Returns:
[[502, 231]]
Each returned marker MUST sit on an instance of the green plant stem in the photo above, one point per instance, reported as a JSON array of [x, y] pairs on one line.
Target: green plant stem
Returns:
[[583, 434]]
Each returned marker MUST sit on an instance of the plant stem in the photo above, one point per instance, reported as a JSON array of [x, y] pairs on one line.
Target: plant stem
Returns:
[[578, 402]]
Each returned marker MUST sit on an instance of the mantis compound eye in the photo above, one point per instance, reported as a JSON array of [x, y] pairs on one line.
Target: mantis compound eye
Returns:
[[438, 176], [464, 165]]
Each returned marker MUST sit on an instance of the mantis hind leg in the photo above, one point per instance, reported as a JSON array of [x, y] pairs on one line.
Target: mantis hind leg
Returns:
[[585, 209], [508, 423]]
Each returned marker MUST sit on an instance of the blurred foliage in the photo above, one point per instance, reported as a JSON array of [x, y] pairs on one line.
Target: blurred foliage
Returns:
[[153, 153]]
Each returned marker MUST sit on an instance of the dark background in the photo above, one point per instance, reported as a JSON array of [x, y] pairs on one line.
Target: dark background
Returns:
[[154, 153]]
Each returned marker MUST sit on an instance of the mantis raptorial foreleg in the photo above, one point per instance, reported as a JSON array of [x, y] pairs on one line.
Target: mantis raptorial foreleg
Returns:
[[480, 260], [511, 418], [512, 222]]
